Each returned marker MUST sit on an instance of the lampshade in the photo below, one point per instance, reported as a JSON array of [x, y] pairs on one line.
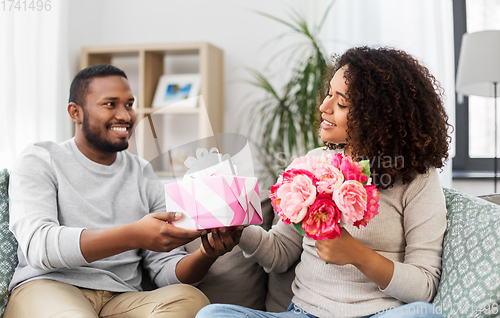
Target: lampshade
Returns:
[[479, 63]]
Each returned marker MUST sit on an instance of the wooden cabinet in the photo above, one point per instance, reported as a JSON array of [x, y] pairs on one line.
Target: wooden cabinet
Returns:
[[160, 130]]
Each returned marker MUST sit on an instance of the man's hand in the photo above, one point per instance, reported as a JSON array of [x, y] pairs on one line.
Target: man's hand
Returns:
[[155, 234], [221, 241], [152, 232]]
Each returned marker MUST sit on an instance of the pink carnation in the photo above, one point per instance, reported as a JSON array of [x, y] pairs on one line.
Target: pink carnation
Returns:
[[352, 170], [336, 160], [371, 207], [351, 199], [322, 220], [296, 196]]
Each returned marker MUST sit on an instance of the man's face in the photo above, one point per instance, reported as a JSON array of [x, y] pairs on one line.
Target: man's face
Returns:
[[108, 116]]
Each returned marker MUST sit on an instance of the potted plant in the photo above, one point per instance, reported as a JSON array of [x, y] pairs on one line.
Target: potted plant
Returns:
[[287, 118]]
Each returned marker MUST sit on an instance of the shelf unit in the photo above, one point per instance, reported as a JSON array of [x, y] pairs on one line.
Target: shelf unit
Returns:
[[156, 129]]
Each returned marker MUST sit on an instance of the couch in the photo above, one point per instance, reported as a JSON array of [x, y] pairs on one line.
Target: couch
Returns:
[[469, 286]]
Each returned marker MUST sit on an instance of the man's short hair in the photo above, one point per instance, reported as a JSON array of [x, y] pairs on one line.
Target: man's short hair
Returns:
[[80, 85]]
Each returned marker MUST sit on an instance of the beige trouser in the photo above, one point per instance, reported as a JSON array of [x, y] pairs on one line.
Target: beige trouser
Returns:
[[45, 298]]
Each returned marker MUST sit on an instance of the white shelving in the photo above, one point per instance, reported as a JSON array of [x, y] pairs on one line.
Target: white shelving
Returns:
[[163, 143]]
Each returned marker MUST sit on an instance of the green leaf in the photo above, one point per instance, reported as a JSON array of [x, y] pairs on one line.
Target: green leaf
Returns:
[[366, 167], [298, 226], [320, 25]]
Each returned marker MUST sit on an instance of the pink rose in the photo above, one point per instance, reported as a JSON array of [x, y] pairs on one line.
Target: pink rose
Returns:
[[304, 163], [289, 175], [322, 219], [296, 196], [329, 178], [323, 194], [275, 201], [351, 199], [371, 207]]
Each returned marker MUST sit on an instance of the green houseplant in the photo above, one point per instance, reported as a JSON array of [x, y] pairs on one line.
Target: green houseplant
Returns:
[[287, 118]]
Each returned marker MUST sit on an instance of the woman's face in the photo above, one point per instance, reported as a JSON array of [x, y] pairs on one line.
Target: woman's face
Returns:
[[334, 110]]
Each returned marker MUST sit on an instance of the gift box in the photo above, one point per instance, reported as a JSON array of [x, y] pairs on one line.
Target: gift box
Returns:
[[215, 200]]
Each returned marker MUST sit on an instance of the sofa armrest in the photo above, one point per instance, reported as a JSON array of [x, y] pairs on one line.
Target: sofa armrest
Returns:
[[493, 198]]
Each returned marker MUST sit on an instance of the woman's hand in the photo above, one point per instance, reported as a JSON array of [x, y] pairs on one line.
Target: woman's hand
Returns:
[[340, 251], [221, 241], [347, 250], [193, 267]]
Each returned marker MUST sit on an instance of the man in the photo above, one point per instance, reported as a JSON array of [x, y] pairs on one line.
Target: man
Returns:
[[85, 215]]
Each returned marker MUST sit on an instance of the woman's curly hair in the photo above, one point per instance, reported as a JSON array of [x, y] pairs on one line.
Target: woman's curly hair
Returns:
[[397, 119]]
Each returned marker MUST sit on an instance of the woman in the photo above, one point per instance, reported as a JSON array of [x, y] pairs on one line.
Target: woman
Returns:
[[381, 105]]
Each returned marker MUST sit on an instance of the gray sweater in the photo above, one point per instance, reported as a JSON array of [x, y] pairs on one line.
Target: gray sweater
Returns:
[[409, 231], [55, 192]]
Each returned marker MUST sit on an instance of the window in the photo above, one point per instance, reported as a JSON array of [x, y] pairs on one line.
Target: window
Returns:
[[475, 125]]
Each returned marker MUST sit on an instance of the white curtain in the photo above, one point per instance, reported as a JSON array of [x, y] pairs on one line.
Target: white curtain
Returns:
[[423, 28], [34, 76]]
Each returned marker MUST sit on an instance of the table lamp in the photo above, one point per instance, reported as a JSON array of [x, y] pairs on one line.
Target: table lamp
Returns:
[[479, 71]]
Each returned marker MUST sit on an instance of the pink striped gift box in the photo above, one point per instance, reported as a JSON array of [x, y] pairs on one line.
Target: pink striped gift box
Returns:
[[215, 201]]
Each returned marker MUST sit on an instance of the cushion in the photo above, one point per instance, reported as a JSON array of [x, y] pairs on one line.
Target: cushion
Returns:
[[8, 244], [470, 279]]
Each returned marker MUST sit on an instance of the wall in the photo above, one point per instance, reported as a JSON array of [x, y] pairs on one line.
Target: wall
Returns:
[[423, 28], [230, 25], [475, 186], [84, 28], [247, 38]]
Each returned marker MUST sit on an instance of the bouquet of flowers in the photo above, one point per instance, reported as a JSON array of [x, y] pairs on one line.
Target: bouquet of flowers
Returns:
[[320, 195]]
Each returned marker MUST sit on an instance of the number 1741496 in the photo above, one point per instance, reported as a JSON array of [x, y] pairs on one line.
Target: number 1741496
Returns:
[[26, 5]]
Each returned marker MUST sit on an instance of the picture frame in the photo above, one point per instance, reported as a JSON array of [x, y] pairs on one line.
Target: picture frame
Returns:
[[177, 91]]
